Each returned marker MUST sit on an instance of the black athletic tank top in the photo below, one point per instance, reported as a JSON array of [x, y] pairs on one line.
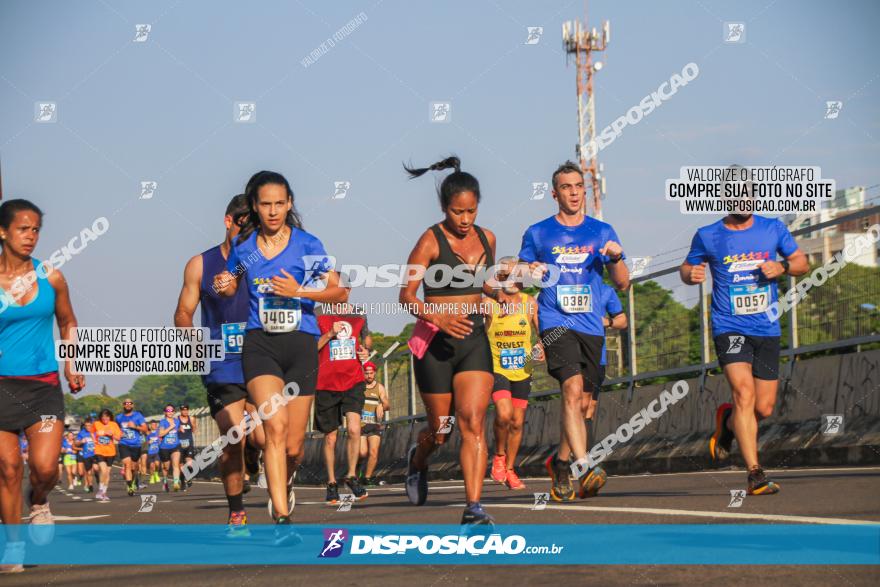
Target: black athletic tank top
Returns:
[[449, 258]]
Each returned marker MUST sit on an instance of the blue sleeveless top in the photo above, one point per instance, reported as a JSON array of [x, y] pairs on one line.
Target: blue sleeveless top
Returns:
[[27, 341], [226, 317]]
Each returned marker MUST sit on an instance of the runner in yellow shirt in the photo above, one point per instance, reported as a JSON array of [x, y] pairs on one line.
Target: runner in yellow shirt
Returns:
[[509, 327]]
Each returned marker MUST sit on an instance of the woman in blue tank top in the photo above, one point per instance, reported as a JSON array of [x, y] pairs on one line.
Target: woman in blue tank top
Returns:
[[287, 272], [33, 295]]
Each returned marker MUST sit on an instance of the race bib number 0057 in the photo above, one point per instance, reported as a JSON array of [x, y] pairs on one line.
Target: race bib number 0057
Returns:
[[749, 299]]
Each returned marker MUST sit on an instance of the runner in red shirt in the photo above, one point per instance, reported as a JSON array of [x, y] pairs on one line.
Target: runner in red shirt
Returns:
[[340, 391]]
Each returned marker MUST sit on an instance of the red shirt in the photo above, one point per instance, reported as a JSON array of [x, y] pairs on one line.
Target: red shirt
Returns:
[[339, 369]]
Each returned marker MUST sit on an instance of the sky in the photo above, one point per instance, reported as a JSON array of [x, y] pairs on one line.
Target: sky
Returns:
[[163, 110]]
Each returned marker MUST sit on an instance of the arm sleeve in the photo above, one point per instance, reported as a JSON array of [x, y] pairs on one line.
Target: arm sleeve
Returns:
[[528, 252], [698, 253], [787, 245]]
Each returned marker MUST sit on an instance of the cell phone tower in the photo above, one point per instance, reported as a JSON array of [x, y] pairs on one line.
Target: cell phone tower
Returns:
[[580, 42]]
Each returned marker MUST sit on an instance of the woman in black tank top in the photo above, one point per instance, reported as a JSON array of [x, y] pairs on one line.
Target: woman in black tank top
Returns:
[[455, 373]]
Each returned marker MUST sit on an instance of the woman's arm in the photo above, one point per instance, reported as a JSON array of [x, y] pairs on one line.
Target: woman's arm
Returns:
[[66, 323]]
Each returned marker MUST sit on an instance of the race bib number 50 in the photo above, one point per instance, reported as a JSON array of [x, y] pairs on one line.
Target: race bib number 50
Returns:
[[749, 299], [280, 314], [233, 336], [574, 299]]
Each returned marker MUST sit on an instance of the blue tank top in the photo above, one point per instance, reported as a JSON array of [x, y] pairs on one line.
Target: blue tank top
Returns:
[[27, 343], [226, 317], [170, 440], [304, 258]]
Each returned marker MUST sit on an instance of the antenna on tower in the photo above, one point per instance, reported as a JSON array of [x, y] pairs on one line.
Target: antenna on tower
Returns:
[[578, 42]]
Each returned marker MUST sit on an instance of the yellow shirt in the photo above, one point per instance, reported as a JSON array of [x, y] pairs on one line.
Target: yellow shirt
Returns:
[[510, 337]]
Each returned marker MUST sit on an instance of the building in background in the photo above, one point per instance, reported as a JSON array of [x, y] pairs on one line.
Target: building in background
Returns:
[[822, 245]]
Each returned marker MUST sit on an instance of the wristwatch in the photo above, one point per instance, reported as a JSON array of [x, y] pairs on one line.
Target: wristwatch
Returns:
[[785, 264]]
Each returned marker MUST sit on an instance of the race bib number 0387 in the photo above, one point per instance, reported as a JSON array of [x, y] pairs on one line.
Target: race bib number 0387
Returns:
[[574, 299]]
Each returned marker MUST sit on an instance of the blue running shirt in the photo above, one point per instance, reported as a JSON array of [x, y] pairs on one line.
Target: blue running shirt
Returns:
[[304, 258], [740, 292], [574, 301]]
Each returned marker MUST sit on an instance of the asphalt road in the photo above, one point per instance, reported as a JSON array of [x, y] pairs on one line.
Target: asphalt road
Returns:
[[808, 496]]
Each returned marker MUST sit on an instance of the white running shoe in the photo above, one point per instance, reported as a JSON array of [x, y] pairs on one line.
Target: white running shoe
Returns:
[[42, 525]]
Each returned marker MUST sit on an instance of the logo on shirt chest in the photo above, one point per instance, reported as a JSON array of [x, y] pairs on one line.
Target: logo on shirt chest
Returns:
[[745, 261], [572, 254]]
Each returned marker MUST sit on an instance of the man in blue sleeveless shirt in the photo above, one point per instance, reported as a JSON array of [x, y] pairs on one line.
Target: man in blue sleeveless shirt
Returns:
[[226, 317]]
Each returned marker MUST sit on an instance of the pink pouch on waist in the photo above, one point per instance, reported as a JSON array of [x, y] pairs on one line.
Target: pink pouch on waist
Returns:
[[421, 338]]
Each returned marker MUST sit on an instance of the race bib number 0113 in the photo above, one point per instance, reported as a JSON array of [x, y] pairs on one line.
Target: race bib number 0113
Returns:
[[749, 299], [280, 314], [574, 299]]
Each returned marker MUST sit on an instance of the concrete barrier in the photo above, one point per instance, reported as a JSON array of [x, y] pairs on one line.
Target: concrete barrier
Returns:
[[678, 441]]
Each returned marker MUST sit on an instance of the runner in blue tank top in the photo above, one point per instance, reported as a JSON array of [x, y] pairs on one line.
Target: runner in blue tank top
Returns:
[[741, 251], [578, 249], [33, 295], [226, 317], [153, 452], [169, 448], [132, 424], [86, 441], [286, 271]]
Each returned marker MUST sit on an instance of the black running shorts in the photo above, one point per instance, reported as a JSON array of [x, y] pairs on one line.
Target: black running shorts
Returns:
[[290, 356], [447, 356], [761, 352], [574, 353]]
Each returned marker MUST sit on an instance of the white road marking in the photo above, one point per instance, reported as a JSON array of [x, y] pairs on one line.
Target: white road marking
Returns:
[[75, 518], [688, 513]]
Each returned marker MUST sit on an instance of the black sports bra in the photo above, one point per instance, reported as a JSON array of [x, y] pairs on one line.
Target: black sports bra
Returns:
[[449, 258]]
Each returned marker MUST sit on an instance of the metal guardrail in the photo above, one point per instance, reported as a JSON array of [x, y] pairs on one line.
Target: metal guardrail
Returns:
[[707, 363]]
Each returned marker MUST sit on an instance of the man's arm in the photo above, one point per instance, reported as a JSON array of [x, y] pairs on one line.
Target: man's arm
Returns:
[[188, 300]]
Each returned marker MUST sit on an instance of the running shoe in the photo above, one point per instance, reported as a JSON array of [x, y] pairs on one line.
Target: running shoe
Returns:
[[475, 515], [560, 479], [131, 489], [722, 439], [590, 484], [513, 481], [41, 526], [499, 468], [176, 485], [236, 527], [332, 494], [262, 482], [284, 533], [291, 498], [356, 488], [13, 558], [103, 497], [70, 487], [759, 484], [141, 486], [416, 481], [245, 486], [90, 489]]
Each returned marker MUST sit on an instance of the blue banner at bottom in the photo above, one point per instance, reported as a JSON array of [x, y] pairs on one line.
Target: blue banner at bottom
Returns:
[[615, 544]]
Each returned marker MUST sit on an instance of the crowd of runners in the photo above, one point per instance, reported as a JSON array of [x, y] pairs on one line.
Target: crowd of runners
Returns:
[[262, 290]]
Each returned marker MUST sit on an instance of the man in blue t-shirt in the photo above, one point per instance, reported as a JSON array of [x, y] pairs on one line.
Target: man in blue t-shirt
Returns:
[[132, 424], [613, 317], [741, 252], [573, 250]]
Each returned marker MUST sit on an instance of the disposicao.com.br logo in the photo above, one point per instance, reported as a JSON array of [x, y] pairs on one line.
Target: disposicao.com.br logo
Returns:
[[431, 544]]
